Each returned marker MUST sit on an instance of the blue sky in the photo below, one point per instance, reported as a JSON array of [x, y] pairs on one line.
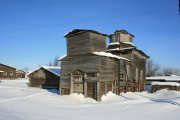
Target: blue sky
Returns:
[[31, 31]]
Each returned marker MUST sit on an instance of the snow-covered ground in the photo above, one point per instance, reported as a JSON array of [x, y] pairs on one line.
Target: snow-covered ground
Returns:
[[19, 102]]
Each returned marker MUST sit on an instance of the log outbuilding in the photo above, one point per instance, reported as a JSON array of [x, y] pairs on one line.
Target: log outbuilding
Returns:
[[46, 77]]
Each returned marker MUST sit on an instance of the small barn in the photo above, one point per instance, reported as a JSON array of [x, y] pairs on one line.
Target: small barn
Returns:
[[7, 72], [155, 83], [46, 77], [20, 74]]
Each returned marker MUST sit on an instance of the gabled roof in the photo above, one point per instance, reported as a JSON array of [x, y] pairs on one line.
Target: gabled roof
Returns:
[[7, 66], [20, 71], [123, 32], [52, 69], [77, 31], [116, 46]]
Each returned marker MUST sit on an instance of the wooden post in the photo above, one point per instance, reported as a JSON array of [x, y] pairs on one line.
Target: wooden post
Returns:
[[97, 91], [71, 90], [118, 82]]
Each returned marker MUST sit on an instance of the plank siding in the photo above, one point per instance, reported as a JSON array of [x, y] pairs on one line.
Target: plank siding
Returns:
[[43, 79], [8, 72], [100, 74]]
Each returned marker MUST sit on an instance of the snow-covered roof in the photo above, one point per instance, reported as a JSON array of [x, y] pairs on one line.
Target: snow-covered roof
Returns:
[[75, 31], [52, 69], [61, 57], [114, 43], [110, 55], [1, 71], [166, 83], [166, 78], [129, 43], [117, 49]]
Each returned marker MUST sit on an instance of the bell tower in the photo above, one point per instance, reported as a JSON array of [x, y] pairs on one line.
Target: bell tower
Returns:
[[121, 36]]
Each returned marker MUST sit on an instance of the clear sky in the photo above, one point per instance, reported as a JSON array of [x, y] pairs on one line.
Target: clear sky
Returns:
[[31, 31]]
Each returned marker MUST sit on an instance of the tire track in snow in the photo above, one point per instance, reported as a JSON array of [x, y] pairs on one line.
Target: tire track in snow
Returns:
[[161, 100], [20, 98]]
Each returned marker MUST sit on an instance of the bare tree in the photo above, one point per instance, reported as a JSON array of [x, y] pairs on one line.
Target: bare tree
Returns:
[[152, 68], [169, 71], [25, 69], [55, 62], [50, 63]]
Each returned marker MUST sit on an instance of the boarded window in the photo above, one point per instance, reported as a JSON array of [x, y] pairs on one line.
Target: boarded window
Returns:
[[122, 76]]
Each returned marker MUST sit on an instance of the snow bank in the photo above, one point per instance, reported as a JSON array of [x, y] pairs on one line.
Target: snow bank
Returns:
[[38, 104], [167, 94], [110, 97], [81, 99]]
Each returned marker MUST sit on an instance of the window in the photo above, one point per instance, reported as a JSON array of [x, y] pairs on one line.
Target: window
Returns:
[[122, 76], [76, 79], [4, 73], [10, 73], [91, 74]]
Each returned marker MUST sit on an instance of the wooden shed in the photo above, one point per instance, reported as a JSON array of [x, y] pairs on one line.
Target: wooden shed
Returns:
[[164, 85], [89, 69], [20, 74], [170, 82], [46, 77], [7, 72]]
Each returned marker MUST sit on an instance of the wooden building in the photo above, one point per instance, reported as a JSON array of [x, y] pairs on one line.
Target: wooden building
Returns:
[[7, 72], [171, 82], [121, 44], [92, 69], [46, 77], [164, 85], [20, 74]]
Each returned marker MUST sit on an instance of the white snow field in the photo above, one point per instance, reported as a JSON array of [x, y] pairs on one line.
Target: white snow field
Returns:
[[19, 102]]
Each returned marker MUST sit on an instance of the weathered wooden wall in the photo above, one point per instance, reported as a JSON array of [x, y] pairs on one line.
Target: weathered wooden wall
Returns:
[[154, 88], [85, 43], [44, 79], [10, 72], [112, 74], [87, 63]]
